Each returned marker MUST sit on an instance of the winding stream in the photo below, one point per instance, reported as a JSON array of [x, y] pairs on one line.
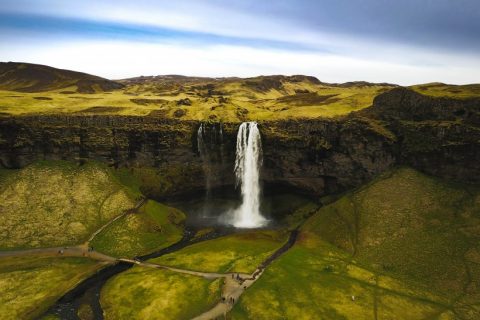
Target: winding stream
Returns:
[[88, 291]]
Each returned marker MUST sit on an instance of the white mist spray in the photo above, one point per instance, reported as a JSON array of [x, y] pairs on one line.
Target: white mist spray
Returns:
[[247, 170]]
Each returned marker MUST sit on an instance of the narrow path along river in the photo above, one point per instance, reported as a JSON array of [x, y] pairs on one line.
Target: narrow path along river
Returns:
[[235, 284], [88, 291], [234, 287]]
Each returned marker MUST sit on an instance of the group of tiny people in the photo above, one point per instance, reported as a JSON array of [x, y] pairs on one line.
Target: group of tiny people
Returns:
[[240, 280], [231, 300]]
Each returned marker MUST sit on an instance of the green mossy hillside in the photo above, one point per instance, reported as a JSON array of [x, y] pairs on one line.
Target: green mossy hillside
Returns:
[[408, 224], [415, 228], [315, 280], [437, 89], [153, 227], [58, 203], [405, 246]]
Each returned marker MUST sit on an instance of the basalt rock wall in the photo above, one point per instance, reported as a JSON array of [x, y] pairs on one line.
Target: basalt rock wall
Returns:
[[316, 156]]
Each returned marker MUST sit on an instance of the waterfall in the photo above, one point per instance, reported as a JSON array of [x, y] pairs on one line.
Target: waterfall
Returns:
[[247, 171], [204, 155], [210, 149]]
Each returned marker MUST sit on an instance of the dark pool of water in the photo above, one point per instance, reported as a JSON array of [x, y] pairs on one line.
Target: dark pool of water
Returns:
[[203, 212]]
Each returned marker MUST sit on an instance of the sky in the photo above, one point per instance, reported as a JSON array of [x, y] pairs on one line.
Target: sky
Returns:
[[404, 42]]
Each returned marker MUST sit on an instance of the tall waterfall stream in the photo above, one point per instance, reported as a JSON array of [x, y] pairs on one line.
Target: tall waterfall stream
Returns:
[[248, 161]]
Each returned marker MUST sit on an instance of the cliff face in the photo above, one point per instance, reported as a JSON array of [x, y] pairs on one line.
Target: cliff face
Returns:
[[316, 156], [325, 156], [439, 136]]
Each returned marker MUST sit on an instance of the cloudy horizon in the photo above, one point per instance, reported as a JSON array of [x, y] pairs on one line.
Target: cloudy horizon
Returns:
[[336, 41]]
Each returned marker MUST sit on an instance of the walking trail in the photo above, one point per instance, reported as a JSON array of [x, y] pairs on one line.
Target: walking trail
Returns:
[[234, 284]]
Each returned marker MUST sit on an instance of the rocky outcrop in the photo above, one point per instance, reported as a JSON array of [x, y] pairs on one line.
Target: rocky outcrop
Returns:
[[405, 104], [316, 156], [439, 136], [324, 156]]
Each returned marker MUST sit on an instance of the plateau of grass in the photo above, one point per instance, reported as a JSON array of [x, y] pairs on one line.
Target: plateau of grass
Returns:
[[144, 293], [153, 227], [30, 285], [241, 252], [232, 100], [448, 90], [58, 203]]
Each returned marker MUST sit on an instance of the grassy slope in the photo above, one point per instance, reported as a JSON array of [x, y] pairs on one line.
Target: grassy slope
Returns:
[[143, 293], [26, 77], [315, 280], [57, 203], [30, 285], [413, 254], [410, 225], [154, 227], [241, 252], [155, 181]]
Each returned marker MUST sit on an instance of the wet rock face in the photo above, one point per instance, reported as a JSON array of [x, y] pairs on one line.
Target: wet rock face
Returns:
[[317, 156], [326, 156]]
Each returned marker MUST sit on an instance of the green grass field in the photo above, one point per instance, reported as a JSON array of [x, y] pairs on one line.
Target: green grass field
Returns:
[[241, 252], [230, 100], [35, 89], [58, 203], [406, 246], [410, 225], [153, 227], [29, 286], [447, 90], [315, 280], [144, 293]]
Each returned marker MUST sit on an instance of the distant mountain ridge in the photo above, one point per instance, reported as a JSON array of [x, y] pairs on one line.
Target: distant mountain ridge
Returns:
[[27, 77]]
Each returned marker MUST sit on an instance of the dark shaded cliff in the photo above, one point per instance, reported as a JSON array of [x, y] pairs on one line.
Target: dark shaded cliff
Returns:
[[437, 136]]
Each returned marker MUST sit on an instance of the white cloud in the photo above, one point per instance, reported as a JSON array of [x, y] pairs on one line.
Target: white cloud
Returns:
[[119, 59]]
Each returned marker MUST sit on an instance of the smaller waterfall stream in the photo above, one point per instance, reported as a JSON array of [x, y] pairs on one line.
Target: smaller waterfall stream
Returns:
[[204, 155], [247, 171], [210, 149]]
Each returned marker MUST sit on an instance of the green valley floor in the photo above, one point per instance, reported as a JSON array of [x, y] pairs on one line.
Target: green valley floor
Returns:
[[405, 246]]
